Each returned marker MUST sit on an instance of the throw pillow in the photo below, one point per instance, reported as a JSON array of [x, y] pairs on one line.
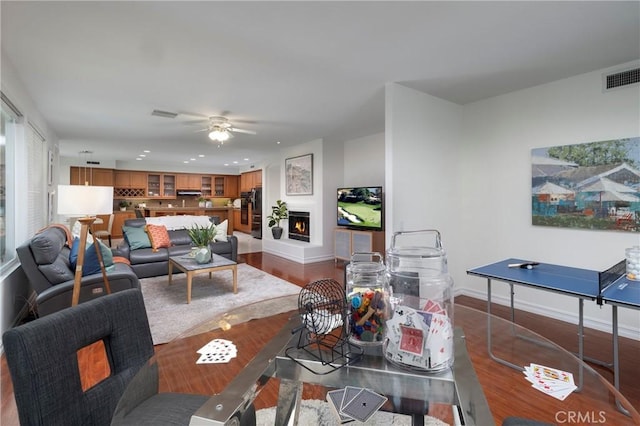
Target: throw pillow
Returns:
[[91, 264], [221, 234], [158, 236], [136, 237]]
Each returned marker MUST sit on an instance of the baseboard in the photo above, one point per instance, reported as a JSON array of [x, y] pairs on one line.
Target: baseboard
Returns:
[[593, 323]]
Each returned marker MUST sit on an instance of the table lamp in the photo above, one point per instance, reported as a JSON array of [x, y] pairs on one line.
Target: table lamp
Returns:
[[87, 202]]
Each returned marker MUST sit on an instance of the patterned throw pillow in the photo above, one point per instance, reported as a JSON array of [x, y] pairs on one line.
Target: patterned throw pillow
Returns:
[[158, 236]]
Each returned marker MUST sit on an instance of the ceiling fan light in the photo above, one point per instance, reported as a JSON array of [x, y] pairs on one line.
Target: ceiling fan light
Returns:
[[219, 135]]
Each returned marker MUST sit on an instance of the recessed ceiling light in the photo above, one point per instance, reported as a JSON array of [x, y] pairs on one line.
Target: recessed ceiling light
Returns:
[[226, 164], [235, 162], [142, 155], [138, 159], [201, 155], [192, 159], [186, 161], [147, 151], [246, 159], [278, 142]]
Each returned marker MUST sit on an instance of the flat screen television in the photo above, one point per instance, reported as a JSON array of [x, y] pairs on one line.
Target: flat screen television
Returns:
[[361, 208]]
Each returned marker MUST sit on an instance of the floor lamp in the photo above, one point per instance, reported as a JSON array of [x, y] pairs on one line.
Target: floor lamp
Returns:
[[87, 202]]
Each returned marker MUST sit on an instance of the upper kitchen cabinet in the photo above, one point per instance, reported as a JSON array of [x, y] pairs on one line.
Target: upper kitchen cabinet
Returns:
[[91, 176], [188, 181], [250, 180], [129, 183], [161, 185]]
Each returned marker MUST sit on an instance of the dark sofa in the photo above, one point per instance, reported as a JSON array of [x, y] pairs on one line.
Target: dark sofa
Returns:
[[148, 263], [45, 261]]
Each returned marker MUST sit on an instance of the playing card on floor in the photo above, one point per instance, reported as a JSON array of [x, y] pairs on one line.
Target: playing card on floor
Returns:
[[556, 383], [217, 351]]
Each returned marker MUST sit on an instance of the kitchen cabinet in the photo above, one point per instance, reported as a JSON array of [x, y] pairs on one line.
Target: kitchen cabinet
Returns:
[[231, 186], [161, 185], [129, 179], [218, 186], [250, 180], [236, 220], [91, 175], [205, 186], [188, 181]]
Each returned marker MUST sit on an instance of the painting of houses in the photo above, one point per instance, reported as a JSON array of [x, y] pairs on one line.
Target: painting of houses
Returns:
[[594, 185]]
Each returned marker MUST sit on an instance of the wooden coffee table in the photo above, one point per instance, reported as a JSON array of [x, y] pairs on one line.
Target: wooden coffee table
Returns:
[[189, 266]]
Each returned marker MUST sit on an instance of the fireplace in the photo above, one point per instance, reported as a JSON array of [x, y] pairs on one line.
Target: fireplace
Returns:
[[299, 226]]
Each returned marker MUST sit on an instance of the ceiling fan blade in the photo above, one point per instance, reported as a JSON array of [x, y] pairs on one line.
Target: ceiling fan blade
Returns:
[[201, 130], [248, 132], [192, 122]]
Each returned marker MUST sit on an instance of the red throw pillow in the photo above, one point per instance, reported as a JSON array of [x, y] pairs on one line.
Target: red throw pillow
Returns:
[[158, 236]]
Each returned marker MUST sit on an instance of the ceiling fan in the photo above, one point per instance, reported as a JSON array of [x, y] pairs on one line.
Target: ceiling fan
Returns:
[[219, 127]]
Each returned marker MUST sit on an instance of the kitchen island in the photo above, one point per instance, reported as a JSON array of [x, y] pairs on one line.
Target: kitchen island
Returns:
[[222, 212]]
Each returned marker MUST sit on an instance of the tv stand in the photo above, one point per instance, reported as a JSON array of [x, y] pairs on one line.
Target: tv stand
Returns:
[[348, 241]]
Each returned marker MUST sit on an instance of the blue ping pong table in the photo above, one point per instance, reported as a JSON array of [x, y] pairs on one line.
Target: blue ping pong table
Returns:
[[580, 283], [610, 286]]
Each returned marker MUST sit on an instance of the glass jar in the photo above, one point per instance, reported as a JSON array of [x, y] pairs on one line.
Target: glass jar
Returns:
[[420, 330], [632, 256], [368, 298]]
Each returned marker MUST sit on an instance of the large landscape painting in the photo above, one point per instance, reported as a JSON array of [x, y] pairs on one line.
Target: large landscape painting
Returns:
[[593, 185]]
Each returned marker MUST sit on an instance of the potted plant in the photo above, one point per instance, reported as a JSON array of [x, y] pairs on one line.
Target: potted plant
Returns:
[[202, 202], [201, 236], [123, 205], [278, 212]]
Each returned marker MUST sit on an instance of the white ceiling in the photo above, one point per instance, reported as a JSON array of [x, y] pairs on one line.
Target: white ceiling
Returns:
[[296, 71]]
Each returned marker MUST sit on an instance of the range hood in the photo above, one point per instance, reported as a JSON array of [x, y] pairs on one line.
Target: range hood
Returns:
[[189, 192]]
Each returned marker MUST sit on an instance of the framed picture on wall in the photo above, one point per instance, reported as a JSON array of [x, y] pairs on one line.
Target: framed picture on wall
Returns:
[[299, 175]]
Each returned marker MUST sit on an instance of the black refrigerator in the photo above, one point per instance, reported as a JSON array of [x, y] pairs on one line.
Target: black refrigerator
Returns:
[[256, 213]]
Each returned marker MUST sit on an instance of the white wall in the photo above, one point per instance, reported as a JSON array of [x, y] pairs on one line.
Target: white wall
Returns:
[[482, 179], [363, 162]]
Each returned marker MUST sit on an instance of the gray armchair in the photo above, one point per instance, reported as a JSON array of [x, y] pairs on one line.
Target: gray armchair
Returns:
[[45, 261], [41, 356]]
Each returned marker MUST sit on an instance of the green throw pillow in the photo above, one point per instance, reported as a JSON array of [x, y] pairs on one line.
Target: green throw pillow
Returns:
[[136, 237]]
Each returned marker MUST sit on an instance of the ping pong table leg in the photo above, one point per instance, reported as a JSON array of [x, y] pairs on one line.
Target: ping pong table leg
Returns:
[[616, 365], [513, 311], [489, 346]]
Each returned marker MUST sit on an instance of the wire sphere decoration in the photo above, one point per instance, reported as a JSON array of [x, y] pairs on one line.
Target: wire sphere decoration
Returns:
[[324, 332]]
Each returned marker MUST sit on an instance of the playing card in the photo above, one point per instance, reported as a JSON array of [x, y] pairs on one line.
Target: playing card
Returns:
[[556, 383], [411, 340], [350, 392], [364, 405], [218, 346], [334, 398], [213, 358]]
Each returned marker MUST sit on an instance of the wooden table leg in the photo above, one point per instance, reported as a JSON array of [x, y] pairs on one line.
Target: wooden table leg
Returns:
[[189, 277], [235, 279]]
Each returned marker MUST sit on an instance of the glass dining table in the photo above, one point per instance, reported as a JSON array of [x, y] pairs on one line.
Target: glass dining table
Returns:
[[270, 371]]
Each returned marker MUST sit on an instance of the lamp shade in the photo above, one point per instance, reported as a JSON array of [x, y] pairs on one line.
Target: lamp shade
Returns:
[[82, 200]]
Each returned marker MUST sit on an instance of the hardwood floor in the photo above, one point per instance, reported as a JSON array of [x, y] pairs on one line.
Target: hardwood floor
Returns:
[[597, 344]]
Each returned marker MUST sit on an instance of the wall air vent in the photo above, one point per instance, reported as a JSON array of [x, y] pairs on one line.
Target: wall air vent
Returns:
[[165, 114], [621, 79]]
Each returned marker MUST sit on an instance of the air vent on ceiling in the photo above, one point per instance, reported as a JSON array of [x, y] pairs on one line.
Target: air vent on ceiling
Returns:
[[621, 79], [165, 114]]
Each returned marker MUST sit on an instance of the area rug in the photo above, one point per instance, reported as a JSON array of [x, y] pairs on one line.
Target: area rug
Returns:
[[318, 413], [170, 316]]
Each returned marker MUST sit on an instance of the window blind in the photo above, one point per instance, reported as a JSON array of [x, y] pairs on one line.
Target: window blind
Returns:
[[37, 181]]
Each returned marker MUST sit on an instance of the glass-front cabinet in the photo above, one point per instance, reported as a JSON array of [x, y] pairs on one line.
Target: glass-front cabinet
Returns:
[[205, 186], [161, 185]]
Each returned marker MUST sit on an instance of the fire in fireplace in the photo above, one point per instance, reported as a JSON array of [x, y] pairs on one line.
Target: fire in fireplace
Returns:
[[299, 226]]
